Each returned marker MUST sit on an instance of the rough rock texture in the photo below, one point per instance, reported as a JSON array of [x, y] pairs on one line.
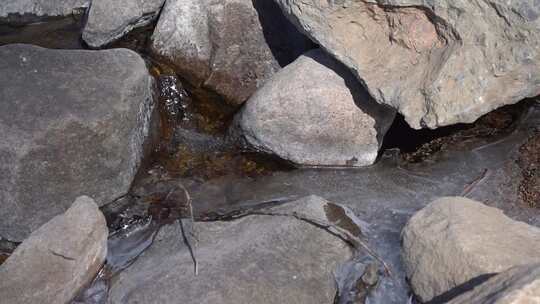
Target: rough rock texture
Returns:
[[72, 123], [256, 259], [437, 62], [58, 259], [228, 46], [519, 285], [17, 10], [314, 112], [109, 20], [454, 240]]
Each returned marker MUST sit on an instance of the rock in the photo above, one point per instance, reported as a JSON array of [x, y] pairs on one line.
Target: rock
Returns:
[[228, 46], [314, 112], [437, 62], [34, 10], [519, 285], [255, 259], [58, 259], [454, 240], [109, 20], [72, 123]]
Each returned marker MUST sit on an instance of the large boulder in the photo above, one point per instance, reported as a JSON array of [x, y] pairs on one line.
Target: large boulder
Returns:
[[228, 46], [455, 240], [58, 259], [109, 20], [32, 10], [72, 123], [256, 259], [437, 62], [313, 112], [519, 285]]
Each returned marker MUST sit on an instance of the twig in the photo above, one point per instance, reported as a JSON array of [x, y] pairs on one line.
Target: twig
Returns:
[[338, 231], [186, 238], [470, 186], [190, 247]]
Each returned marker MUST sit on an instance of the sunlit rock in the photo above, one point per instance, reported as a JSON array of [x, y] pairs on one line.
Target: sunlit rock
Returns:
[[256, 259], [58, 259], [230, 47], [436, 62], [109, 20], [71, 123], [314, 112], [454, 240]]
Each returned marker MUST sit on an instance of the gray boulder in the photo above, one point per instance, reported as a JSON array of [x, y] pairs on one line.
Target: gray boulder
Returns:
[[519, 285], [437, 62], [109, 20], [313, 112], [228, 46], [31, 10], [256, 259], [72, 123], [454, 240], [58, 259]]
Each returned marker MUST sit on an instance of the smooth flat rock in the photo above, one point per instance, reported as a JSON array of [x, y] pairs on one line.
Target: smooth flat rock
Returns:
[[454, 240], [228, 46], [313, 112], [437, 62], [72, 123], [256, 259], [519, 285], [109, 20], [32, 10], [58, 259]]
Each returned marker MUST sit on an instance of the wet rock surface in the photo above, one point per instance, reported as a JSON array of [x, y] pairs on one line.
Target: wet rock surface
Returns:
[[255, 259], [73, 122], [314, 113], [455, 240], [514, 286], [228, 46], [58, 259], [24, 11], [109, 20], [422, 58]]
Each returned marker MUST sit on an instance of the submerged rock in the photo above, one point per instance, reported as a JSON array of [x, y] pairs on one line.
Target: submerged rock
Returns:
[[109, 20], [255, 259], [18, 11], [72, 123], [519, 285], [437, 62], [228, 46], [58, 259], [455, 240], [315, 113]]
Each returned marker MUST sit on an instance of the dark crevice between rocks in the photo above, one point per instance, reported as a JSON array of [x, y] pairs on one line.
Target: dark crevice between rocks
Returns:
[[419, 145], [52, 32], [6, 249], [283, 38], [21, 20]]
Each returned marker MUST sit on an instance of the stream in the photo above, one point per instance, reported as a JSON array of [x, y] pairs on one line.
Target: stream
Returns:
[[193, 159]]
